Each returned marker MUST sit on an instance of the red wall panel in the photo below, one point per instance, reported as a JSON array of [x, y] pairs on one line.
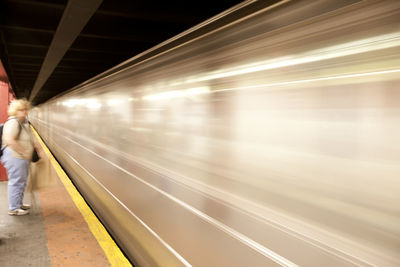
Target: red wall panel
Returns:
[[5, 97]]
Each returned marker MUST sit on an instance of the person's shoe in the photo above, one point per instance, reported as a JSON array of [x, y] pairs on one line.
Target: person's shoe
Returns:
[[18, 212], [25, 206]]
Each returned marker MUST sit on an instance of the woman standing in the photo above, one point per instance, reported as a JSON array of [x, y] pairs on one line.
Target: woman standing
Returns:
[[17, 153]]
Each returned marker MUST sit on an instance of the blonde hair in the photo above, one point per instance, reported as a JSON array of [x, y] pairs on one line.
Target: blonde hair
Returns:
[[17, 104]]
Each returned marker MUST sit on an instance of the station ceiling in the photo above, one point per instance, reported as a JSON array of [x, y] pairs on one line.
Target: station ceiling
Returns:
[[50, 46]]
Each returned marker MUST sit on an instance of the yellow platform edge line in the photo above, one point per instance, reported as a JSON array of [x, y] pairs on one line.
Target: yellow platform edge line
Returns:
[[110, 248]]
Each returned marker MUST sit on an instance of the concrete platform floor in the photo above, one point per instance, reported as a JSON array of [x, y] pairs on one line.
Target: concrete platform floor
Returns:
[[55, 233], [22, 238]]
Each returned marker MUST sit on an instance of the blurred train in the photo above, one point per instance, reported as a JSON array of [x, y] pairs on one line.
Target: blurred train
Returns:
[[266, 136]]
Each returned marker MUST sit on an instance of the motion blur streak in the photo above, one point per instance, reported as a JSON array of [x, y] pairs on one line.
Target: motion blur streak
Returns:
[[122, 204], [269, 138], [311, 80], [223, 227], [357, 47]]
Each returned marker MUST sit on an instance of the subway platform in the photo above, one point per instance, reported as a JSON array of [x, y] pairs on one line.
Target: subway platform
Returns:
[[60, 230]]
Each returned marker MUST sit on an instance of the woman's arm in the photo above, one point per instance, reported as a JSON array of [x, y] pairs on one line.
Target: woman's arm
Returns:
[[12, 141], [11, 134]]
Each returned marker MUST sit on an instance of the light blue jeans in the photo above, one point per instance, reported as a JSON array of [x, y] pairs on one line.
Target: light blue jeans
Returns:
[[17, 172]]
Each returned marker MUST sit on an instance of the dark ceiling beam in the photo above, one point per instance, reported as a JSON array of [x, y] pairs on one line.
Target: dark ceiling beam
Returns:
[[86, 50], [160, 17], [99, 51], [119, 38], [4, 57], [25, 70], [22, 28], [27, 45], [76, 15], [37, 3], [25, 64], [23, 56], [87, 35]]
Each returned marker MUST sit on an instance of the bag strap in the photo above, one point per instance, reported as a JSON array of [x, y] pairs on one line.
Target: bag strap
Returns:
[[19, 131], [28, 131]]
